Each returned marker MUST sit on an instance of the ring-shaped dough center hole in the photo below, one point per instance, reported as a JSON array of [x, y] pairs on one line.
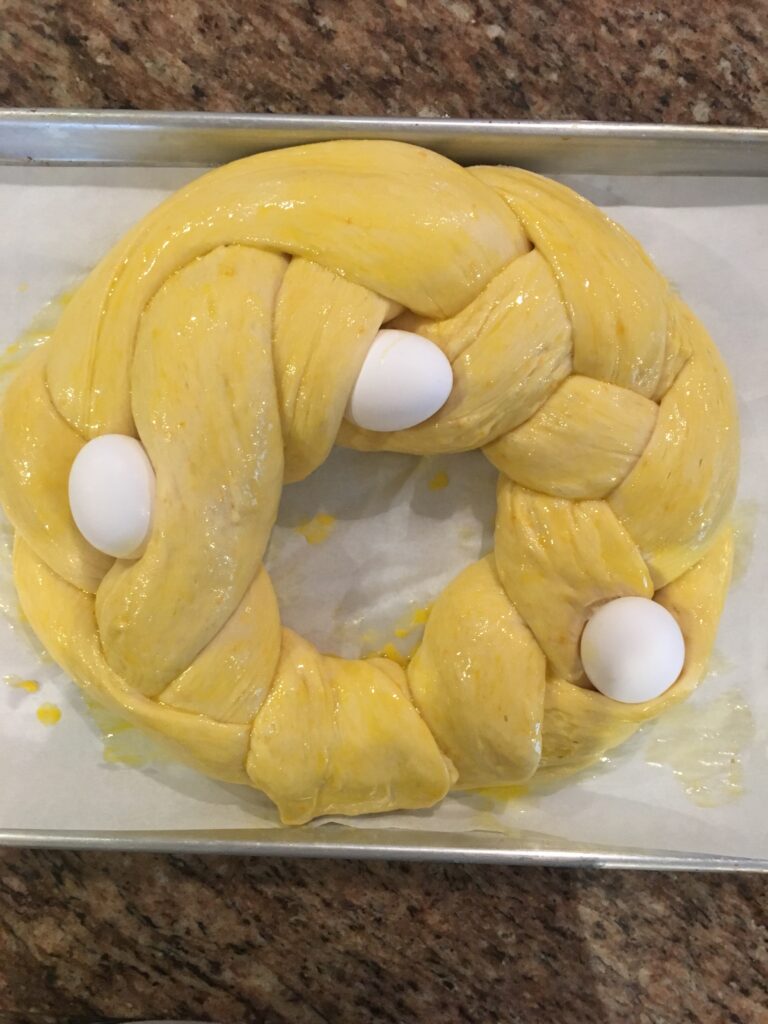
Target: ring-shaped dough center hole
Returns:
[[363, 546]]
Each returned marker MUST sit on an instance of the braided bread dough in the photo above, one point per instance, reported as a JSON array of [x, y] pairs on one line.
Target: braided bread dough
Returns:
[[226, 331]]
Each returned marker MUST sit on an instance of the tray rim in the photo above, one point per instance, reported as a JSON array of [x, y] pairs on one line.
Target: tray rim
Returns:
[[108, 138], [193, 138], [344, 842]]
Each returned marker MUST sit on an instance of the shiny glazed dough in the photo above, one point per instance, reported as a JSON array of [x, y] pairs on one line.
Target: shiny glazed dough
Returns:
[[226, 331]]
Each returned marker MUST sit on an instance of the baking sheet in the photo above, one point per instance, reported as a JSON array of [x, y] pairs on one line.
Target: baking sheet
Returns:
[[402, 540]]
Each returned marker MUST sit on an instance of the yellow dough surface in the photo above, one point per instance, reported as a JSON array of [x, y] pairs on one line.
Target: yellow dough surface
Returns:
[[226, 332]]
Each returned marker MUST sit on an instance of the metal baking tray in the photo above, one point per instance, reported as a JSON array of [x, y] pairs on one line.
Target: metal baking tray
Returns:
[[147, 138], [126, 138]]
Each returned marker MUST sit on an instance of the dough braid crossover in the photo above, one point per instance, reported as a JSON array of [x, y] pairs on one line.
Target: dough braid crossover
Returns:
[[226, 331]]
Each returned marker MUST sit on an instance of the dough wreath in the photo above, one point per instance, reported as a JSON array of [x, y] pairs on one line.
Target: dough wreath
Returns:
[[226, 331]]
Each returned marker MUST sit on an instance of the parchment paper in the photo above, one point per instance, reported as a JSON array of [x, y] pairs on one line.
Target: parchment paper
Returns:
[[392, 542]]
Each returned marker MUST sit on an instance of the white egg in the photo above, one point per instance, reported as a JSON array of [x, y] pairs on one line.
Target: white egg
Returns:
[[632, 649], [111, 493], [404, 380]]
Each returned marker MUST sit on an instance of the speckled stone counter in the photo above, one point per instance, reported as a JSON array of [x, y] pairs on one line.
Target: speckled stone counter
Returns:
[[614, 60], [96, 936], [87, 937]]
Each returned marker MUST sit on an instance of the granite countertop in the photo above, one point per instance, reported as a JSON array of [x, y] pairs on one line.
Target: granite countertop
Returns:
[[105, 936], [97, 936], [613, 60]]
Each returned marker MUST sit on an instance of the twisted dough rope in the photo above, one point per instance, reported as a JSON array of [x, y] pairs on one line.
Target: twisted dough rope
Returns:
[[583, 378]]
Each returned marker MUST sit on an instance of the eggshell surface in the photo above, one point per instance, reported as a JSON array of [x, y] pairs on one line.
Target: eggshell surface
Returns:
[[632, 649], [111, 493], [404, 380]]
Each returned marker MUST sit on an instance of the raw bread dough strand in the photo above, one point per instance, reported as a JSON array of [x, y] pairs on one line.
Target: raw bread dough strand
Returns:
[[205, 407], [682, 488], [509, 349], [581, 443], [37, 452], [559, 559], [231, 677], [64, 618], [342, 736], [478, 680], [324, 326], [617, 300], [340, 204], [580, 725]]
